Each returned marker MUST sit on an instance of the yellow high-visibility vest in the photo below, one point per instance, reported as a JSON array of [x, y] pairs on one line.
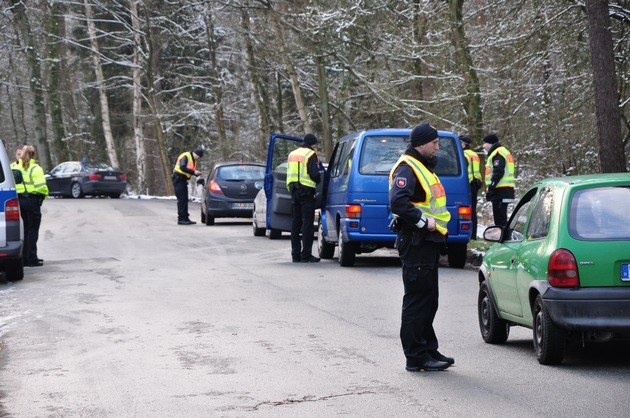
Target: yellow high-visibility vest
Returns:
[[297, 168], [474, 163], [191, 164], [508, 177], [434, 204], [34, 179]]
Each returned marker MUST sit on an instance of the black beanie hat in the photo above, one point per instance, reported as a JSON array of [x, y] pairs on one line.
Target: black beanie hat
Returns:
[[309, 139], [199, 152], [491, 139], [465, 139], [422, 134]]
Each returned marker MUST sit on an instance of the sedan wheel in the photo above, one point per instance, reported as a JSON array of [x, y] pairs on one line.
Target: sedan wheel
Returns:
[[325, 249], [549, 340], [494, 330], [75, 190]]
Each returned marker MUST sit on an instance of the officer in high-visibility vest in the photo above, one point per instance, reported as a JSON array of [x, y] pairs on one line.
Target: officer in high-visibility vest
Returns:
[[499, 178], [31, 197], [418, 202], [302, 178], [473, 164], [185, 168]]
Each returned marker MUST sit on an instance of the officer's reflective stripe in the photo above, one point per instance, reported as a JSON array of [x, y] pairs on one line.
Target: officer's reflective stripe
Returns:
[[435, 203], [34, 180], [474, 164], [508, 176], [191, 164], [297, 167]]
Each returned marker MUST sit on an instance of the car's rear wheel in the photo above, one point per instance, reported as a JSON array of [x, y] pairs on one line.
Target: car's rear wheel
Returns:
[[75, 190], [114, 195], [258, 232], [203, 216], [209, 220], [275, 234], [494, 330], [346, 252], [549, 340], [325, 249], [457, 255], [14, 270]]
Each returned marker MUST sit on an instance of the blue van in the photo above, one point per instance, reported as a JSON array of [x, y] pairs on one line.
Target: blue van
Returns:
[[355, 214], [11, 230]]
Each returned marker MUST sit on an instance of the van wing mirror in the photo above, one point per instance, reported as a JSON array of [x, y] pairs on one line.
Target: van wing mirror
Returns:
[[17, 175]]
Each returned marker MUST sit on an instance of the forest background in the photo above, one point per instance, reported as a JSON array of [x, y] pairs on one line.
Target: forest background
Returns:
[[137, 82]]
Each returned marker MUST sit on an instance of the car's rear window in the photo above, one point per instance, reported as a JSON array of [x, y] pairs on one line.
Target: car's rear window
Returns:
[[601, 213], [241, 172], [380, 153], [98, 167]]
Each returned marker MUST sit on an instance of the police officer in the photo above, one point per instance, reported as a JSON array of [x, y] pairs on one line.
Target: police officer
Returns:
[[474, 179], [418, 201], [499, 178], [185, 168], [31, 195], [302, 178]]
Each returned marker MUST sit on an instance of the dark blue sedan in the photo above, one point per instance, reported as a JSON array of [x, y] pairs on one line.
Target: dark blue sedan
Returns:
[[77, 179]]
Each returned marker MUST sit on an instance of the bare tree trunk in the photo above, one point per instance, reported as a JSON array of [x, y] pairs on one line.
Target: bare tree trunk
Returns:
[[293, 78], [258, 89], [100, 79], [325, 109], [35, 80], [216, 87], [141, 156], [472, 100], [611, 152]]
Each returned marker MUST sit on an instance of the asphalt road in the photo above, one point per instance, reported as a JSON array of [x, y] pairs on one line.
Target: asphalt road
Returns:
[[133, 315]]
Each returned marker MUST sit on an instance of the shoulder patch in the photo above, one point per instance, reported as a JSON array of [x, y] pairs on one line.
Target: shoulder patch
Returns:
[[496, 163], [401, 182]]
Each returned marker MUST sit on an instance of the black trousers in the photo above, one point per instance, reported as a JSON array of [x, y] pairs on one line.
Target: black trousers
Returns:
[[303, 211], [420, 301], [499, 212], [474, 191], [30, 208], [180, 183]]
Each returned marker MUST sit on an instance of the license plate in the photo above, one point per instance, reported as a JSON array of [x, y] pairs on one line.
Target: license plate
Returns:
[[242, 206], [625, 272], [110, 178]]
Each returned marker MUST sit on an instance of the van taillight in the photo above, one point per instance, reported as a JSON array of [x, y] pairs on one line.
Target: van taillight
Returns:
[[12, 210], [562, 269], [353, 211], [465, 213]]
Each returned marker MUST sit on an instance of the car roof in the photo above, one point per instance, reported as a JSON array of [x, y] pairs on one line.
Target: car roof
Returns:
[[389, 131], [586, 180], [224, 163]]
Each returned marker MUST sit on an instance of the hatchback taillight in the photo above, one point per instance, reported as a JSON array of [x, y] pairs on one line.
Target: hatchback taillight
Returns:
[[562, 269], [214, 187], [95, 176], [12, 210], [353, 211]]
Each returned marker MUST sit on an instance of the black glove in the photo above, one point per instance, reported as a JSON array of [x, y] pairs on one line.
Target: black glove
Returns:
[[394, 225]]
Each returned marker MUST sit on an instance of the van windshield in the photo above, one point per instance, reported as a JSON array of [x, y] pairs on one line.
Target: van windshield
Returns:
[[380, 153]]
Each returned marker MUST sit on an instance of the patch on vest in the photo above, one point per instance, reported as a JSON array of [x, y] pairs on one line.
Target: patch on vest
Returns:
[[401, 182], [496, 163]]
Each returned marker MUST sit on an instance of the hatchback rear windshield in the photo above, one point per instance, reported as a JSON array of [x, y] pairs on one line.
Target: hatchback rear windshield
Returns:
[[241, 172], [380, 153], [600, 214]]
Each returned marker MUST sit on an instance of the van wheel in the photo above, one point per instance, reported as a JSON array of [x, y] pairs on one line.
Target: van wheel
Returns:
[[457, 255], [325, 249], [549, 340], [14, 269], [346, 253], [75, 190], [275, 234]]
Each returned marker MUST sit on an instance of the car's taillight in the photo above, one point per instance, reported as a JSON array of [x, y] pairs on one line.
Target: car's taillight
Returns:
[[122, 177], [562, 269], [12, 210], [214, 187], [353, 211], [95, 177], [465, 213]]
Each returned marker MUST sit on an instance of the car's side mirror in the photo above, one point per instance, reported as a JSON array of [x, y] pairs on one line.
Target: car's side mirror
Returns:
[[17, 176], [493, 233]]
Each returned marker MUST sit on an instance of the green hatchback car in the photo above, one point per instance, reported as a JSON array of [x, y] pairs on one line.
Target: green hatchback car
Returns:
[[561, 265]]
